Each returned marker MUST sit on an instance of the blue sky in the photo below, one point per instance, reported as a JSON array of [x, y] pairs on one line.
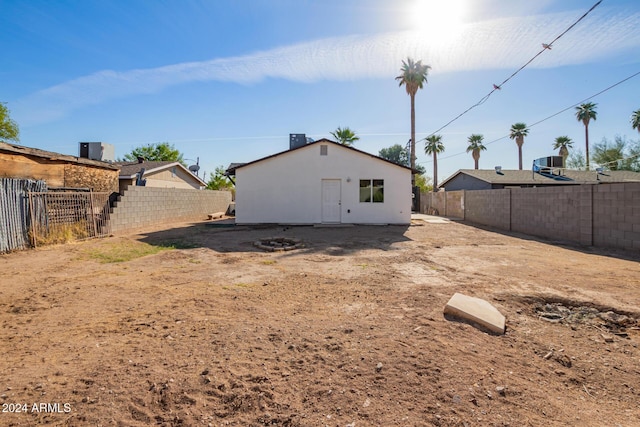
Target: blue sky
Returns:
[[228, 80]]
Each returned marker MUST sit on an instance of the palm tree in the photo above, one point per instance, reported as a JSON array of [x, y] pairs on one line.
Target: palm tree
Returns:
[[434, 146], [475, 147], [345, 136], [584, 113], [635, 120], [563, 143], [414, 76], [518, 132]]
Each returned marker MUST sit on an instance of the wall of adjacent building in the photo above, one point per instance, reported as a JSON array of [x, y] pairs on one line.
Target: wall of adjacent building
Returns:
[[605, 215], [59, 173], [142, 207]]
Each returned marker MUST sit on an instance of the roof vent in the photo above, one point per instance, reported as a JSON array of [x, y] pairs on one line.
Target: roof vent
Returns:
[[499, 170]]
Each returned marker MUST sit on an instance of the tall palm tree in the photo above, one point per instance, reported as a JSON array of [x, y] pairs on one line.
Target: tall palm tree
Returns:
[[414, 76], [345, 136], [584, 113], [635, 120], [518, 132], [563, 143], [434, 146], [475, 147]]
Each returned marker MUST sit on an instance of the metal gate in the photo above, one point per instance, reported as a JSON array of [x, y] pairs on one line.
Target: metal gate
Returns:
[[59, 217]]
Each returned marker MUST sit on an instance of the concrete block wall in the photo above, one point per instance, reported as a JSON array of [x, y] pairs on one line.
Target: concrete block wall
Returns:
[[556, 213], [616, 215], [454, 204], [433, 201], [148, 206], [488, 207], [605, 215]]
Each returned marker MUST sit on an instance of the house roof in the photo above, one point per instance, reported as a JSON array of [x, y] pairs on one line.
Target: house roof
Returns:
[[128, 170], [50, 155], [560, 177], [235, 166]]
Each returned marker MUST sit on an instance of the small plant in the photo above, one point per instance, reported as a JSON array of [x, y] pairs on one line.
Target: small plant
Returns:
[[123, 251]]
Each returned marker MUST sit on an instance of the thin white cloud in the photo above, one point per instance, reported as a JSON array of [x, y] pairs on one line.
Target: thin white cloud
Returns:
[[499, 44]]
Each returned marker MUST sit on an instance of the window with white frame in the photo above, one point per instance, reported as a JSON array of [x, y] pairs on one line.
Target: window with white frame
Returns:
[[372, 191]]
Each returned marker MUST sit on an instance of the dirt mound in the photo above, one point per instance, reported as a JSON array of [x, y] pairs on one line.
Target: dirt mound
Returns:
[[196, 326]]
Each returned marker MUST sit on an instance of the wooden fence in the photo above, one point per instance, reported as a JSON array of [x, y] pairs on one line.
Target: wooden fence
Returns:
[[14, 212]]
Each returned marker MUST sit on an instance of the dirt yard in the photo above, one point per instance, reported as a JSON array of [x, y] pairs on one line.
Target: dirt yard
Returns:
[[195, 326]]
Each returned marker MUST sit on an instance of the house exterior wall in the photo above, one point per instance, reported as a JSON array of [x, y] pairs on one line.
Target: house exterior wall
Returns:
[[466, 182], [27, 167], [58, 173], [169, 179], [142, 207], [99, 180], [287, 188]]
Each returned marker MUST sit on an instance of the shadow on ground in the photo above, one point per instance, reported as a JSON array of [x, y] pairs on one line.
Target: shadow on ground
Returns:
[[628, 255], [335, 241]]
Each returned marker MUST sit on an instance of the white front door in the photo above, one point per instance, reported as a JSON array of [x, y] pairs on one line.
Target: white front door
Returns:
[[331, 200]]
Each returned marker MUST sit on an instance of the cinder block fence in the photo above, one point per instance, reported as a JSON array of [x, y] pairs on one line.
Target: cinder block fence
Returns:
[[147, 206], [604, 215]]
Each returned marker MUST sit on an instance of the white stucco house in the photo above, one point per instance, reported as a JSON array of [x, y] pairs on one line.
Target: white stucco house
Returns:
[[323, 183]]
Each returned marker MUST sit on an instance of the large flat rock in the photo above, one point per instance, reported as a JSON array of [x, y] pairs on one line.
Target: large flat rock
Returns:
[[476, 311]]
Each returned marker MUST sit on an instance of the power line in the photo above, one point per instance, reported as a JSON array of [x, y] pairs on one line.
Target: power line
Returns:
[[553, 115], [545, 46]]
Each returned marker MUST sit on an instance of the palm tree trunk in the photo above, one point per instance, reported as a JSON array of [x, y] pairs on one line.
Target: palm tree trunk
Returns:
[[586, 138], [564, 153], [413, 140], [520, 141], [435, 171]]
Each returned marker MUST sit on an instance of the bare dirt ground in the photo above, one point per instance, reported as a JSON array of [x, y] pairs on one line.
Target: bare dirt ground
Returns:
[[348, 331]]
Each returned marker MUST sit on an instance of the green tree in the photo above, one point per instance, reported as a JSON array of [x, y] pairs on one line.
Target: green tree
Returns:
[[635, 120], [413, 77], [9, 130], [475, 147], [518, 132], [585, 113], [563, 143], [158, 152], [219, 181], [423, 182], [398, 155], [345, 136], [434, 146], [575, 160], [617, 155]]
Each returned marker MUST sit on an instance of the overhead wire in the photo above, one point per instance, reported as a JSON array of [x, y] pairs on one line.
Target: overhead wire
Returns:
[[552, 115], [545, 46]]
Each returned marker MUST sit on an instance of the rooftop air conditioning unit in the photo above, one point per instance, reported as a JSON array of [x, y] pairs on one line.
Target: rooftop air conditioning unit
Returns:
[[297, 140], [98, 151]]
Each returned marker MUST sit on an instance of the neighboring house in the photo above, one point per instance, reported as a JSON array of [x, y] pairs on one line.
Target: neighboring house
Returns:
[[158, 174], [485, 179], [322, 182], [57, 170]]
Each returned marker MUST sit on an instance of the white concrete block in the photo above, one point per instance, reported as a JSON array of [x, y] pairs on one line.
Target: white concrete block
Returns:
[[477, 311]]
